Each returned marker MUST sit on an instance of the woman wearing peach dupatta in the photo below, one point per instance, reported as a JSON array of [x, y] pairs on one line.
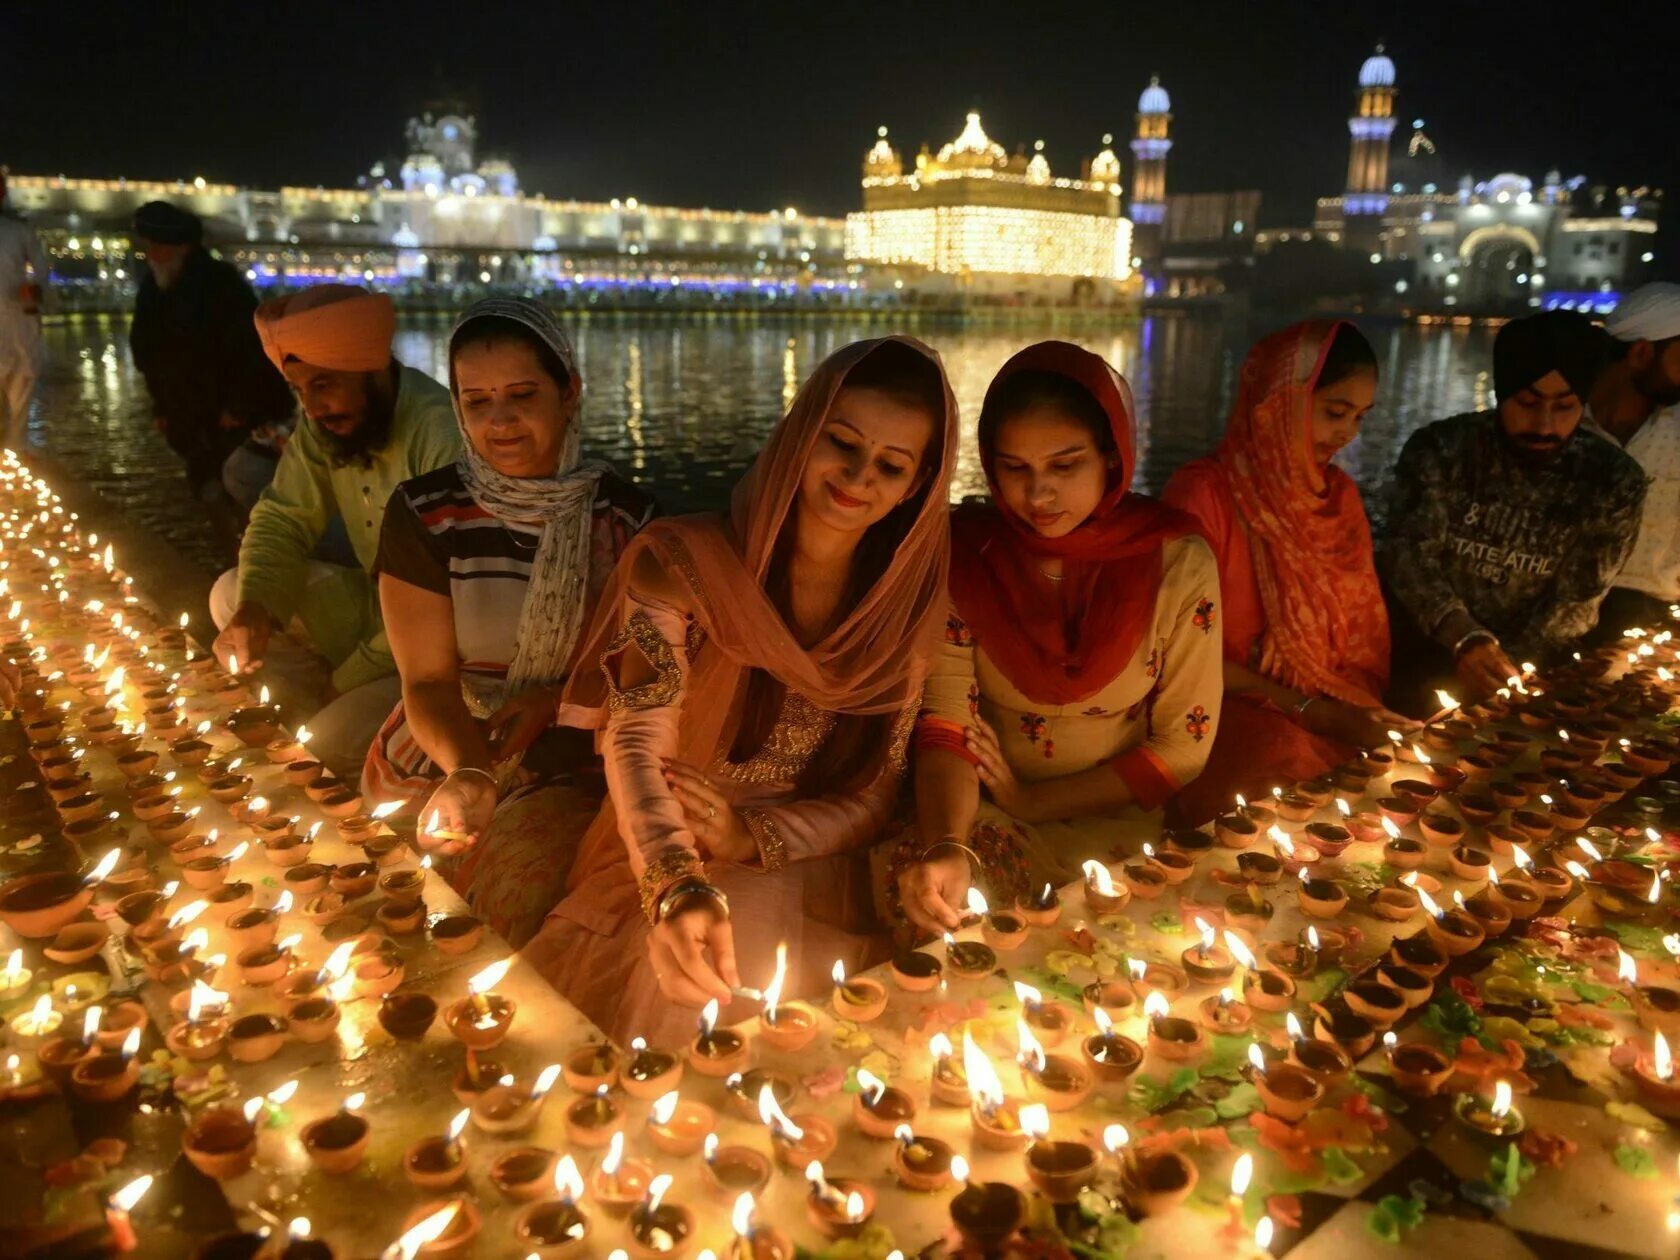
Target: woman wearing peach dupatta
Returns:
[[761, 671], [1305, 630]]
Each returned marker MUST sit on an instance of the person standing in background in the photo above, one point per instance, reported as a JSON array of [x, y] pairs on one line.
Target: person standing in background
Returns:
[[193, 340], [23, 280], [1636, 404]]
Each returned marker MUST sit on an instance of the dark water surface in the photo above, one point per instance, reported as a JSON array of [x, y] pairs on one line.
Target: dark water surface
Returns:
[[683, 406]]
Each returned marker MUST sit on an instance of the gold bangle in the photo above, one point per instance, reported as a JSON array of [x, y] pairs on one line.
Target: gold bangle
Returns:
[[973, 857]]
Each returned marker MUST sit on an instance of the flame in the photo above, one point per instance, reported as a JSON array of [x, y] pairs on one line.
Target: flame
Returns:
[[545, 1080], [1343, 808], [708, 1018], [939, 1045], [251, 1108], [1115, 1137], [1263, 1234], [778, 981], [203, 998], [186, 914], [1155, 1006], [1206, 929], [1257, 1057], [283, 903], [615, 1154], [1242, 803], [353, 1102], [708, 1148], [1242, 1172], [903, 1133], [1028, 996], [770, 1111], [1446, 701], [983, 1082], [1430, 905], [568, 1182], [1655, 894], [282, 1094], [125, 1199], [871, 1086], [1239, 950], [1098, 879], [664, 1107], [1281, 839], [838, 972], [1137, 969], [1586, 846], [1627, 971], [490, 977], [197, 939], [741, 1218], [14, 964], [90, 1022], [1293, 1026], [1520, 858], [1030, 1054], [854, 1207], [977, 902], [1105, 1025], [1501, 1097], [1661, 1059], [458, 1123], [107, 864], [1577, 870], [1035, 1121], [656, 1191]]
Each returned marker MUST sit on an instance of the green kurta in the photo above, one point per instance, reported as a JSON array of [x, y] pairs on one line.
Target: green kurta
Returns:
[[308, 490]]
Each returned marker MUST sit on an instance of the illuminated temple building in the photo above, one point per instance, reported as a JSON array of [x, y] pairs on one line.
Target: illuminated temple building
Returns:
[[981, 221], [444, 218], [1500, 243]]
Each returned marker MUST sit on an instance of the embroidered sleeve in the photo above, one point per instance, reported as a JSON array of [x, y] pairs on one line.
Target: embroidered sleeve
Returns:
[[675, 863], [639, 630], [951, 698], [772, 848]]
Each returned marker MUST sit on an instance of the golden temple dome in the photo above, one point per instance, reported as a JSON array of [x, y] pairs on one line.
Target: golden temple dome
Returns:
[[1105, 167], [973, 149], [882, 161], [1038, 170]]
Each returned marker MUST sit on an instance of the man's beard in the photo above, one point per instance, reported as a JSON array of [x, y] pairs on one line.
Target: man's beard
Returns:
[[1657, 388], [359, 445]]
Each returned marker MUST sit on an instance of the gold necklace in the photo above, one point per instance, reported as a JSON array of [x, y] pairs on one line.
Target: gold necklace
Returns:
[[1053, 577]]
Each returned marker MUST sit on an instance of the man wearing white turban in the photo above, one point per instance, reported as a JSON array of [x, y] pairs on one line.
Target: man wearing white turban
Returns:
[[1636, 402]]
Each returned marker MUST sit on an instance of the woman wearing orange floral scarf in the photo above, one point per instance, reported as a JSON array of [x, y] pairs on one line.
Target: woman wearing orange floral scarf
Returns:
[[1305, 631]]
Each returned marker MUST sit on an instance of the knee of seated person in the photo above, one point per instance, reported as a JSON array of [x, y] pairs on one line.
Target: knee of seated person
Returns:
[[224, 598]]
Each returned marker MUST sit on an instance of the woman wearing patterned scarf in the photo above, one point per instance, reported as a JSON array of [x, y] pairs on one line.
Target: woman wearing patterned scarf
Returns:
[[489, 570]]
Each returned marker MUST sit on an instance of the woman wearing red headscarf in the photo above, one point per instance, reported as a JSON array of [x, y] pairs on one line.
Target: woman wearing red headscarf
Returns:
[[760, 672], [1081, 670], [1305, 631]]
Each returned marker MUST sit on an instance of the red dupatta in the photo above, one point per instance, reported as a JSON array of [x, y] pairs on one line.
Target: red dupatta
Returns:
[[1059, 643], [1326, 627]]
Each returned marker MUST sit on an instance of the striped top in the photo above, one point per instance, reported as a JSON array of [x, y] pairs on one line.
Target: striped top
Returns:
[[437, 538]]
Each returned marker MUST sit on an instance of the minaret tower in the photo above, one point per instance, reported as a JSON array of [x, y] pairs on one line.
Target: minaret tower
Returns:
[[1150, 148], [1369, 129]]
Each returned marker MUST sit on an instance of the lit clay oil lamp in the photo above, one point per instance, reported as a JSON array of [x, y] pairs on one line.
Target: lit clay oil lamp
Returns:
[[791, 1026]]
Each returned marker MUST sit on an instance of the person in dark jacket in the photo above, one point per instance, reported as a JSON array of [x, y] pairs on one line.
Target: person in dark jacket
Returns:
[[1506, 528], [193, 340]]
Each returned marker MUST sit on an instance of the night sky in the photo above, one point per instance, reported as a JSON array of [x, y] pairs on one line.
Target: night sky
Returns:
[[759, 106]]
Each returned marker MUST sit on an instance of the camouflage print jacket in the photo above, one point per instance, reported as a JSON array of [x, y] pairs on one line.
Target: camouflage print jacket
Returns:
[[1479, 539]]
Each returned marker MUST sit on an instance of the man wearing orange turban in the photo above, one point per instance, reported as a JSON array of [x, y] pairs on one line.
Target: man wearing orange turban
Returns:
[[369, 423]]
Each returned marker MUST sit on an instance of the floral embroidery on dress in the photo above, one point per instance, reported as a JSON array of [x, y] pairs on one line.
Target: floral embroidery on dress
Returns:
[[1033, 726], [1095, 711], [1203, 620], [1152, 667], [1049, 750], [974, 700], [1197, 722], [957, 633]]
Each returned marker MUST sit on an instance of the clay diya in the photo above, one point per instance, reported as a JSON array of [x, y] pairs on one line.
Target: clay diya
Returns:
[[1061, 1170], [1236, 831], [1259, 868], [39, 906], [437, 1163], [678, 1126], [335, 1144], [1419, 1069], [718, 1052], [860, 998], [1043, 909], [589, 1067], [879, 1109], [731, 1171], [1469, 863], [590, 1120], [407, 1016], [1156, 1182], [221, 1143], [969, 960], [453, 934], [253, 1038], [1265, 990], [918, 972], [1440, 829], [1322, 898], [523, 1174], [649, 1073], [921, 1163], [1288, 1091], [1378, 1003], [1102, 894]]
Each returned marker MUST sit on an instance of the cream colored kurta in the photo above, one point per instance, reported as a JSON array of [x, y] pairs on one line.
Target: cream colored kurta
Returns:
[[1153, 722]]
